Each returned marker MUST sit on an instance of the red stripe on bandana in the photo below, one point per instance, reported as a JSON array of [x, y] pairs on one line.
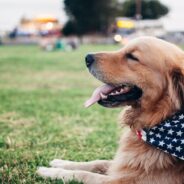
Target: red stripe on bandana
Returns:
[[139, 134]]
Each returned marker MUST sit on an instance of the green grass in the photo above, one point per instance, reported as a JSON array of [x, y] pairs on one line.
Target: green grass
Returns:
[[42, 115]]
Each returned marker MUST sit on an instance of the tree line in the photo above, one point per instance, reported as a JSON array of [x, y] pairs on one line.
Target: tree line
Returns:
[[95, 16]]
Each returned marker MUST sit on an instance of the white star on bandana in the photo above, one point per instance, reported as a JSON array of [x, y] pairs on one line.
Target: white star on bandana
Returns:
[[167, 136]]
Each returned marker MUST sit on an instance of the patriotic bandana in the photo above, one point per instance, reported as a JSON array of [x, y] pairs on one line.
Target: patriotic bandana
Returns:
[[167, 136]]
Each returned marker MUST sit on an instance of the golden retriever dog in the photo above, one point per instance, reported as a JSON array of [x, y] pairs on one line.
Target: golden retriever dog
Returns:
[[146, 76]]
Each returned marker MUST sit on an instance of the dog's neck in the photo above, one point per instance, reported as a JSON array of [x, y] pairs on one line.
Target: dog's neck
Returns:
[[138, 119], [143, 117]]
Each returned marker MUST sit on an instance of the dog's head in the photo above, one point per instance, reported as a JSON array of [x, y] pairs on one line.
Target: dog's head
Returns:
[[144, 73]]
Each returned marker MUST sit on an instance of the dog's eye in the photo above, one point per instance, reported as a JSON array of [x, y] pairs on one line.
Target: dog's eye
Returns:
[[131, 56]]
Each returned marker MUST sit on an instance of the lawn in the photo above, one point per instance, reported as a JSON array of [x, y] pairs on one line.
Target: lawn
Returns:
[[42, 115]]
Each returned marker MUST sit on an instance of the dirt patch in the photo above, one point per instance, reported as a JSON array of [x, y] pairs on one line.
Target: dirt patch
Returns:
[[14, 119]]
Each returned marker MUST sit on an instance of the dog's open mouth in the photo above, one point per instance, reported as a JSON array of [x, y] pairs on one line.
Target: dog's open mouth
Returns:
[[114, 96]]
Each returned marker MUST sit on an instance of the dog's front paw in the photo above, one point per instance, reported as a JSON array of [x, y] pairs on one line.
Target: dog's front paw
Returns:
[[53, 173], [59, 163]]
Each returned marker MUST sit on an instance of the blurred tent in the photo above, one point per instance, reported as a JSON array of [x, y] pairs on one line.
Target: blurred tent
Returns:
[[39, 26], [127, 28], [32, 30]]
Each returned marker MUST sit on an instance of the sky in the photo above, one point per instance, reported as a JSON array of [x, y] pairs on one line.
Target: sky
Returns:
[[175, 19], [12, 10]]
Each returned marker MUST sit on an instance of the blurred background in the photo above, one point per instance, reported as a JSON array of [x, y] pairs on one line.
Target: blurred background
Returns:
[[74, 22], [44, 81]]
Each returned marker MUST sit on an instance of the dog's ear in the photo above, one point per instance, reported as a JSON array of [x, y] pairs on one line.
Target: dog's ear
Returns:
[[178, 84]]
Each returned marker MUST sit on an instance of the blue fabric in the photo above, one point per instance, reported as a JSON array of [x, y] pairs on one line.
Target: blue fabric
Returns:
[[168, 136]]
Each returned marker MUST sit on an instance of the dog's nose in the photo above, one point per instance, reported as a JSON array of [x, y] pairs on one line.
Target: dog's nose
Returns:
[[89, 60]]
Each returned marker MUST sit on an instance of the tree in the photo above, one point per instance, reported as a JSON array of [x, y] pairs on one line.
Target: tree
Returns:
[[151, 9], [89, 16]]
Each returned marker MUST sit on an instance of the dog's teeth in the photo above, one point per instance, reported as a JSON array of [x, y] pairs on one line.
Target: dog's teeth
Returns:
[[117, 92], [122, 91], [103, 96], [127, 88]]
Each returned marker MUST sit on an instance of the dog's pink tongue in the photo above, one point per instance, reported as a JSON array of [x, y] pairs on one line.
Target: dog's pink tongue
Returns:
[[96, 94]]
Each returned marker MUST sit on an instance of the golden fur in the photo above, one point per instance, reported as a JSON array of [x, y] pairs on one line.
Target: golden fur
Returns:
[[160, 74]]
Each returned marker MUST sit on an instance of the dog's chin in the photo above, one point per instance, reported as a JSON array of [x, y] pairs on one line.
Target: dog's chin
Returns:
[[117, 99]]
